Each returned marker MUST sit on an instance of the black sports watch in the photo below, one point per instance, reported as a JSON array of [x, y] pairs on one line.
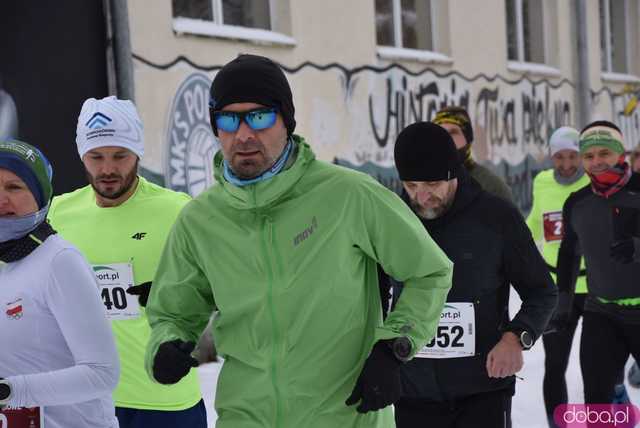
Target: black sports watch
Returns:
[[5, 392], [525, 338], [401, 348]]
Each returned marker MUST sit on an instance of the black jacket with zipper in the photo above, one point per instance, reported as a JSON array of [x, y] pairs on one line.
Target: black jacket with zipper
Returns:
[[491, 247], [591, 224]]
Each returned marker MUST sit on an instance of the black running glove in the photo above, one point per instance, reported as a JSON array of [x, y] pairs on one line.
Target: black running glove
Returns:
[[560, 318], [173, 361], [379, 382], [622, 251], [142, 291]]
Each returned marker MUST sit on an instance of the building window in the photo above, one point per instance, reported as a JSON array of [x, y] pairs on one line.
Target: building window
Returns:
[[405, 24], [525, 31], [241, 13], [613, 35]]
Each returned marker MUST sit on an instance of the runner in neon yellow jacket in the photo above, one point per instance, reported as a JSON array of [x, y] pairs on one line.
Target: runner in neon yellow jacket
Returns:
[[551, 188], [545, 218], [290, 266]]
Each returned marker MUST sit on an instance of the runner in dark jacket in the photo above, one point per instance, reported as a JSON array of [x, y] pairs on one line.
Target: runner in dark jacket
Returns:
[[602, 222], [466, 374]]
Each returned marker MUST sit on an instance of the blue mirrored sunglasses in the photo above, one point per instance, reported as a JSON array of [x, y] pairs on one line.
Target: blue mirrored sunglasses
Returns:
[[229, 121]]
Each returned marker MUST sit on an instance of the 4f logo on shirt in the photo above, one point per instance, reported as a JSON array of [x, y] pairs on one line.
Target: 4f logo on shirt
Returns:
[[14, 309], [139, 235]]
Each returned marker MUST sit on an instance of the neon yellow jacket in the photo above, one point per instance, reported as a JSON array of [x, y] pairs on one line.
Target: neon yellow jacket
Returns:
[[289, 264], [135, 231], [545, 218]]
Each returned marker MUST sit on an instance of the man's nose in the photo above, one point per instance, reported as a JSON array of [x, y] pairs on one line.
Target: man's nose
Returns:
[[244, 132], [424, 195], [4, 198], [108, 167]]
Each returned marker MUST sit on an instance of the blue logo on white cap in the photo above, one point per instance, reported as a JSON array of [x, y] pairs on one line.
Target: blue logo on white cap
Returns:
[[98, 120]]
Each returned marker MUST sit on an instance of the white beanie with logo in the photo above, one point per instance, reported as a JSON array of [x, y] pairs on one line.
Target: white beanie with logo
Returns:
[[109, 122], [564, 138]]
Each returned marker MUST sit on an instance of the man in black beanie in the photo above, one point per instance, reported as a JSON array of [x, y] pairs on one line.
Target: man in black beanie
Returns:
[[284, 248], [466, 374]]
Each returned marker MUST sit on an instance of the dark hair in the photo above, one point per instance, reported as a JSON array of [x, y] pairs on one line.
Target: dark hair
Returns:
[[601, 123]]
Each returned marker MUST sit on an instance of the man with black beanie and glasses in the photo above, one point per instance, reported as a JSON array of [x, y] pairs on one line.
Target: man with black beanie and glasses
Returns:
[[466, 375], [284, 250], [601, 223]]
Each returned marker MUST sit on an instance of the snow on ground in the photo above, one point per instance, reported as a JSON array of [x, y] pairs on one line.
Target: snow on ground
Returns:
[[528, 407]]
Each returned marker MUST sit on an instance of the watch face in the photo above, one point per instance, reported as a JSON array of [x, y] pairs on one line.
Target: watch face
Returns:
[[526, 340], [402, 347], [5, 391]]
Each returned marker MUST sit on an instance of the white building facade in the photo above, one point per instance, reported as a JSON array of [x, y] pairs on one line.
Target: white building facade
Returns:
[[362, 70]]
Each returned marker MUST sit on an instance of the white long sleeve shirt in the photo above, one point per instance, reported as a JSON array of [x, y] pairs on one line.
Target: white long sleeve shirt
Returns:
[[56, 347]]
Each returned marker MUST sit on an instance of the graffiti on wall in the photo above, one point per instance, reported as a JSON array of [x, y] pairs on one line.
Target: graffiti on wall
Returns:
[[625, 111], [190, 141], [512, 120], [352, 117]]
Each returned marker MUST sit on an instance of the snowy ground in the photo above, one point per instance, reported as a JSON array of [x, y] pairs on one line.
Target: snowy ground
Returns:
[[528, 407]]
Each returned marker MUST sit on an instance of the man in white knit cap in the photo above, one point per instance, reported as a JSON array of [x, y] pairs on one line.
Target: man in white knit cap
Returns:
[[550, 189], [120, 222]]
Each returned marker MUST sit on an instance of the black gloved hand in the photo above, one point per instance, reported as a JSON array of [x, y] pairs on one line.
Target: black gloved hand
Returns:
[[142, 291], [560, 318], [622, 251], [379, 382], [173, 361]]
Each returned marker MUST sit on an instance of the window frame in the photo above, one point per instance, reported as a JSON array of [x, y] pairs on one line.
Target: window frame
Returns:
[[520, 35], [627, 42], [217, 28], [399, 52]]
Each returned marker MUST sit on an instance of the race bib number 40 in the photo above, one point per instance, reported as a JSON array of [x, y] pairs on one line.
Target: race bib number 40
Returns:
[[552, 223], [114, 280], [22, 417], [455, 336]]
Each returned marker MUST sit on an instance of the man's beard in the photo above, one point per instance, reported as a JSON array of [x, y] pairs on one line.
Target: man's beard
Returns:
[[127, 183], [246, 169], [436, 211]]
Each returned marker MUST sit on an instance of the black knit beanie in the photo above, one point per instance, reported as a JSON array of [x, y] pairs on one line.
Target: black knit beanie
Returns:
[[456, 116], [253, 79], [425, 151]]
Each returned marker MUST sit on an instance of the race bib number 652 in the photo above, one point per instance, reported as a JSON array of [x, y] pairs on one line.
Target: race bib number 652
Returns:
[[455, 336], [114, 279]]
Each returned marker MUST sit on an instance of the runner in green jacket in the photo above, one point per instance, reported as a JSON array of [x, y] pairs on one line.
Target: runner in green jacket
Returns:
[[284, 249]]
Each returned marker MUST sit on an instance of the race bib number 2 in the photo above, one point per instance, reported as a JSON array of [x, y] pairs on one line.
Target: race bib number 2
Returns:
[[455, 336], [23, 417], [552, 223], [114, 280]]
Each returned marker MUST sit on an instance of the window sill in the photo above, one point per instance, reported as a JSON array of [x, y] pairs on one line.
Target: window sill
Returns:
[[207, 28], [619, 77], [533, 68], [403, 54]]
